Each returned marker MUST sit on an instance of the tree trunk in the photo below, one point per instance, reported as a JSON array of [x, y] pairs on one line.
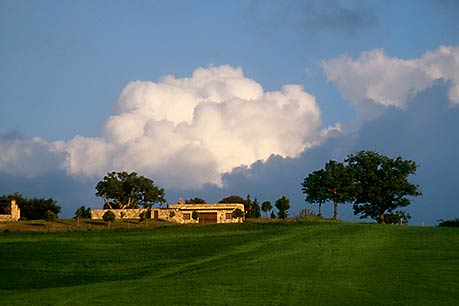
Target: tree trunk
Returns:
[[106, 201], [381, 219], [266, 212], [335, 210], [320, 210]]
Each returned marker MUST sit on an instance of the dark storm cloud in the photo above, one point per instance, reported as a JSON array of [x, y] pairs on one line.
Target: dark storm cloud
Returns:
[[70, 193], [426, 132]]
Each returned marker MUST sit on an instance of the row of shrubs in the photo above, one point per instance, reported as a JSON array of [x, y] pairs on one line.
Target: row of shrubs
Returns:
[[448, 223]]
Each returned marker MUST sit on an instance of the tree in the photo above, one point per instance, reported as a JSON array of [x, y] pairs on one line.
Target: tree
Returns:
[[273, 215], [35, 208], [266, 206], [232, 199], [195, 215], [282, 205], [248, 207], [196, 200], [109, 217], [49, 216], [31, 209], [339, 184], [380, 183], [237, 213], [397, 217], [83, 213], [315, 188], [5, 202], [254, 209], [334, 183], [128, 190], [448, 223]]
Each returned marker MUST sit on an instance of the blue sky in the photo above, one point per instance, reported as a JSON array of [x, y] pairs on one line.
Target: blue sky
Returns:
[[65, 64]]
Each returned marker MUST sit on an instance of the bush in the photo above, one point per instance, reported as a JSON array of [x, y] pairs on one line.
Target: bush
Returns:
[[145, 215], [109, 216], [49, 216], [83, 213], [195, 215], [237, 213], [448, 223], [172, 214]]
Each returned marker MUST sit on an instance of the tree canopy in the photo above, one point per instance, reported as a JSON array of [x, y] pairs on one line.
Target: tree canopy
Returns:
[[339, 184], [32, 209], [266, 206], [375, 183], [128, 190], [334, 183], [195, 200], [315, 188], [232, 199], [252, 208], [83, 212], [380, 183], [282, 205]]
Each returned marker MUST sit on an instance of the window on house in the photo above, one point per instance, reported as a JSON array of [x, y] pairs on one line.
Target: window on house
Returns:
[[229, 216], [186, 216]]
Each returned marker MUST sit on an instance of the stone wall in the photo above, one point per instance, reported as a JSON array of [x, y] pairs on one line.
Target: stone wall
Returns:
[[119, 213], [180, 213], [14, 215]]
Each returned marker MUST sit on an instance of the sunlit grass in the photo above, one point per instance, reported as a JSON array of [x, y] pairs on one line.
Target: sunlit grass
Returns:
[[255, 263]]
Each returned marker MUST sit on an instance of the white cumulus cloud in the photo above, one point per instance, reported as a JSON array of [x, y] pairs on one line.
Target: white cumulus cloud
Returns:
[[390, 80], [187, 132], [30, 157]]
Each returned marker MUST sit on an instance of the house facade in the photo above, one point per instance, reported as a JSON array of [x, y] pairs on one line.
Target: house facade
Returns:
[[181, 213]]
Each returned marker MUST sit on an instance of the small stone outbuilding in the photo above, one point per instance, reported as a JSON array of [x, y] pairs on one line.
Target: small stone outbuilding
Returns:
[[181, 213]]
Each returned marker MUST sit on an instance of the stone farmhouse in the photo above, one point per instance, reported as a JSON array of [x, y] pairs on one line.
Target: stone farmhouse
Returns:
[[15, 213], [181, 213]]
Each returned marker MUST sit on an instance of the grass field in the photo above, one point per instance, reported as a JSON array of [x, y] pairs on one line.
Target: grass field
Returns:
[[294, 263]]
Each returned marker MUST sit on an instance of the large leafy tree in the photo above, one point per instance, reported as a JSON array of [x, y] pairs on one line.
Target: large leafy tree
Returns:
[[128, 190], [282, 205], [334, 183], [339, 184], [315, 188], [381, 183]]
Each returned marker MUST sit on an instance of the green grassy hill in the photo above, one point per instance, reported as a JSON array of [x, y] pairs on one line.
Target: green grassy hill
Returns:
[[294, 263]]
